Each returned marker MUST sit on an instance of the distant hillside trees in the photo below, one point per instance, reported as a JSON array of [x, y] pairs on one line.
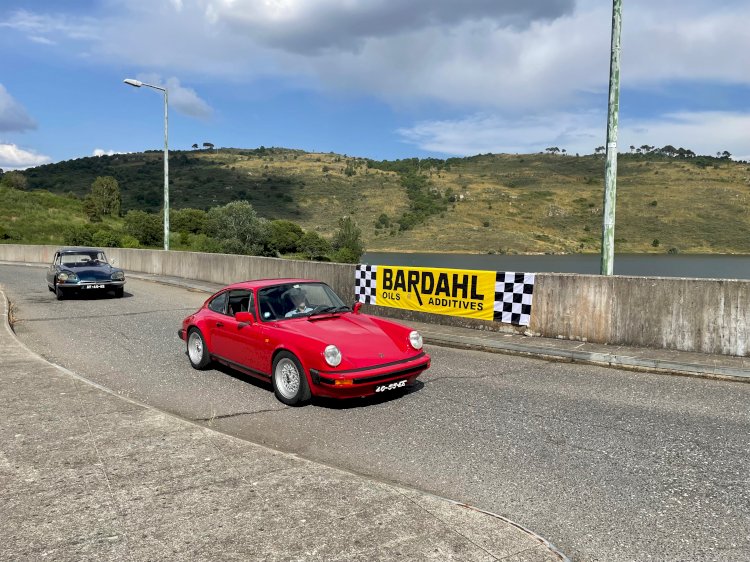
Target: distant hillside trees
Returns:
[[208, 145], [14, 180]]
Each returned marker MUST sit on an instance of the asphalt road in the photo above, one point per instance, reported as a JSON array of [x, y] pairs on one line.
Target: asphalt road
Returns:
[[606, 464]]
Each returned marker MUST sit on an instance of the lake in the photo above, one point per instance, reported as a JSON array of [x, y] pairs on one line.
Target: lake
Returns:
[[647, 265]]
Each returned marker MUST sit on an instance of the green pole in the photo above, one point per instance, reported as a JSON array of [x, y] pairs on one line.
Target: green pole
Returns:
[[610, 170]]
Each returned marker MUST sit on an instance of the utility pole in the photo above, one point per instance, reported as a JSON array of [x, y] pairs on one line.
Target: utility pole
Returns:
[[610, 170]]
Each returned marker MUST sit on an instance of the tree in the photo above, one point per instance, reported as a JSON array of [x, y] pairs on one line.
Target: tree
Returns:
[[726, 155], [284, 236], [208, 145], [195, 146], [598, 150], [347, 241], [237, 225], [14, 180], [187, 220], [144, 227], [105, 196], [313, 245]]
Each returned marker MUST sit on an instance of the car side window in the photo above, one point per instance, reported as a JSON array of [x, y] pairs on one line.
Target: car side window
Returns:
[[240, 300], [56, 261], [219, 303]]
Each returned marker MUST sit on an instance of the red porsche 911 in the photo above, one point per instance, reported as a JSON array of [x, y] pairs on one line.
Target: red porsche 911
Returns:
[[300, 335]]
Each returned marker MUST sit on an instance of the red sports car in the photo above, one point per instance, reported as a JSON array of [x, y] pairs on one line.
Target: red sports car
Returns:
[[300, 335]]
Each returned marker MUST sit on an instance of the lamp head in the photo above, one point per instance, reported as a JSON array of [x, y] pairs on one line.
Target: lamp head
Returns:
[[132, 82]]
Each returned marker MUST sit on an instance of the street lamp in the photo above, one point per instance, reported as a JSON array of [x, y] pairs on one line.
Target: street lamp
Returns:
[[138, 84]]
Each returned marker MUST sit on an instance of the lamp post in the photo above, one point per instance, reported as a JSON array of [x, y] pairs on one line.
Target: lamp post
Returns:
[[138, 84], [610, 169]]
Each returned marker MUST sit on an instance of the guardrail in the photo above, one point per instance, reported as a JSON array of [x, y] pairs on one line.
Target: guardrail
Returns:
[[703, 315]]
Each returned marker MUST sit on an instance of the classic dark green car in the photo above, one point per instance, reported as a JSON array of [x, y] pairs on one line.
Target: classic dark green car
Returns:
[[83, 270]]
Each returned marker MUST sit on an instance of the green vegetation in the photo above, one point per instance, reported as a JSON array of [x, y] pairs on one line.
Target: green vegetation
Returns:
[[273, 201]]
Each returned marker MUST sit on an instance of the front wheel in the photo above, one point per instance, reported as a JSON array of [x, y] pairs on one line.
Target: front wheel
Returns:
[[119, 291], [196, 350], [289, 380], [59, 292]]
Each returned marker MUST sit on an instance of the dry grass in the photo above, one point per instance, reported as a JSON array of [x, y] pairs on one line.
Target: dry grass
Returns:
[[12, 314]]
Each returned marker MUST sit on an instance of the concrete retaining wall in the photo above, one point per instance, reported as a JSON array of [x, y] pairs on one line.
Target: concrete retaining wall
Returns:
[[704, 315]]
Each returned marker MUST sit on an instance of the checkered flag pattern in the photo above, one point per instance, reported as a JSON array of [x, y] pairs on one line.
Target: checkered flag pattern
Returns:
[[365, 285], [513, 293]]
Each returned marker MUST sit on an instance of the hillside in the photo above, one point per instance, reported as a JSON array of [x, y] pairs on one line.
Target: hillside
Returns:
[[492, 203]]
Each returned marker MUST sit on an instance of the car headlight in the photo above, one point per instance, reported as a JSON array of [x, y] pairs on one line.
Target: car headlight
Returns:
[[67, 277], [332, 355], [415, 339], [118, 276]]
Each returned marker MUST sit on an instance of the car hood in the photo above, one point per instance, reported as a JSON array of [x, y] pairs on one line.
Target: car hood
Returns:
[[88, 273], [358, 336]]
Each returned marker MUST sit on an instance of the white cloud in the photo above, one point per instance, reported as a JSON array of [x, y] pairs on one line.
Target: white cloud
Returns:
[[304, 26], [475, 54], [701, 132], [102, 152], [182, 99], [14, 158], [52, 28], [13, 116]]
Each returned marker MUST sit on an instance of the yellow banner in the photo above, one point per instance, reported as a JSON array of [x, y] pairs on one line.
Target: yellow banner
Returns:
[[455, 292]]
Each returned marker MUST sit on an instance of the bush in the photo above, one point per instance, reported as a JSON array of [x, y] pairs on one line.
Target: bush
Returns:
[[187, 220], [284, 236], [347, 241], [313, 246], [147, 228], [127, 241], [105, 239], [79, 235]]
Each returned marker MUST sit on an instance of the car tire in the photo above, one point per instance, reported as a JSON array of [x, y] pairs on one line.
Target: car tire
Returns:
[[59, 292], [289, 380], [196, 350], [119, 291]]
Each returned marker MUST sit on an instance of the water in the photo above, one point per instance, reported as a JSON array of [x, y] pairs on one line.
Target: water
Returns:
[[647, 265]]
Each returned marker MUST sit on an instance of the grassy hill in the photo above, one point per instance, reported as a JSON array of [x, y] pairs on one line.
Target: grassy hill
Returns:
[[490, 203]]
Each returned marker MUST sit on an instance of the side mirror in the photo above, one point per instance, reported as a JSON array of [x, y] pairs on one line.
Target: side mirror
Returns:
[[112, 261], [356, 307], [244, 319]]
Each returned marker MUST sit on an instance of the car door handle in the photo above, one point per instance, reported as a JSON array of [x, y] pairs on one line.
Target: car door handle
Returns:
[[220, 324]]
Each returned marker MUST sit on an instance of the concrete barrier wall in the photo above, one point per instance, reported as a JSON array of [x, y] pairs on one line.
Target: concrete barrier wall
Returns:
[[704, 315]]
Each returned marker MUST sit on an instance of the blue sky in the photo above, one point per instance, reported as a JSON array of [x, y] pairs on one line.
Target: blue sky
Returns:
[[381, 79]]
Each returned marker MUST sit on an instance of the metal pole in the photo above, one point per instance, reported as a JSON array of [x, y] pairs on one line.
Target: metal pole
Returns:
[[166, 174], [610, 170]]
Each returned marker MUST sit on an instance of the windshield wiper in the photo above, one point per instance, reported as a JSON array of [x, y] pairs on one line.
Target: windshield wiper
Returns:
[[330, 310]]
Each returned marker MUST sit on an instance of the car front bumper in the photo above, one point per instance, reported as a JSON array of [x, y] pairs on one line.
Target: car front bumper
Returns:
[[369, 380]]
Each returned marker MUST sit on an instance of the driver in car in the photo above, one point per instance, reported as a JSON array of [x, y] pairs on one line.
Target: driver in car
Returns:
[[299, 300]]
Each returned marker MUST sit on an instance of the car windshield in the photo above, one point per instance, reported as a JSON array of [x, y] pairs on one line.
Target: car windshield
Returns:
[[83, 258], [290, 300]]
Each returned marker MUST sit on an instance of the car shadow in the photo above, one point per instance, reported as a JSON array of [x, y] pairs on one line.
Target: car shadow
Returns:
[[328, 403], [94, 296], [374, 400]]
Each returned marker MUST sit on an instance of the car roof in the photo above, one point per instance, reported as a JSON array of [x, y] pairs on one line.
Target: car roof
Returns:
[[71, 249], [260, 283]]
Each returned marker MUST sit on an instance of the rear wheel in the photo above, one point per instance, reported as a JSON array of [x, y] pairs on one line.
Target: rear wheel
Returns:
[[196, 349], [289, 380]]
